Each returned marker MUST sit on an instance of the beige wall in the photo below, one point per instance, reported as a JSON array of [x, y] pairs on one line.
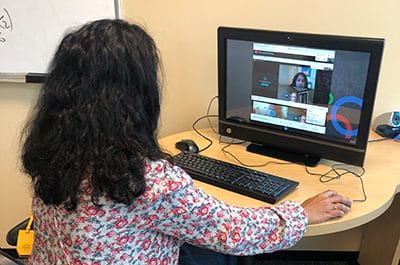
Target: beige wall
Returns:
[[15, 195], [185, 31]]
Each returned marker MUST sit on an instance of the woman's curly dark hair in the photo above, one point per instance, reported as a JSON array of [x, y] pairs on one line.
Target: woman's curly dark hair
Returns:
[[96, 116], [293, 84]]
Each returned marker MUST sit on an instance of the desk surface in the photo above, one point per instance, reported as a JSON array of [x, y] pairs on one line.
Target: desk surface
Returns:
[[381, 179]]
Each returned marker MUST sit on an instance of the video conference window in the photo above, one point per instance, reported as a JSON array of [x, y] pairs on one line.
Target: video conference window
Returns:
[[312, 91], [285, 80]]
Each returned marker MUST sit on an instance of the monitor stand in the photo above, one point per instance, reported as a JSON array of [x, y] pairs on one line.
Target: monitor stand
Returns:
[[284, 154]]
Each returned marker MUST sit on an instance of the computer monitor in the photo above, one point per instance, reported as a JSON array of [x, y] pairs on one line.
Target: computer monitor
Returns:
[[297, 96]]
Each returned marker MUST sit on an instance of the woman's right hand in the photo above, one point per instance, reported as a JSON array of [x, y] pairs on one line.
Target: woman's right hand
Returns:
[[326, 205]]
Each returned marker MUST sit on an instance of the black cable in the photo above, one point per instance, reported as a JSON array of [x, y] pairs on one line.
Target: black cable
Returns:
[[339, 170], [323, 178], [208, 116], [202, 135], [380, 139], [225, 151]]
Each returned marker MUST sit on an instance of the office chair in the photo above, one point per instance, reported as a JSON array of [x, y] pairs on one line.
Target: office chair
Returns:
[[12, 234]]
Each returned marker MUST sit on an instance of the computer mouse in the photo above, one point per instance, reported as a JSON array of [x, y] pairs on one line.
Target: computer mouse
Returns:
[[187, 145]]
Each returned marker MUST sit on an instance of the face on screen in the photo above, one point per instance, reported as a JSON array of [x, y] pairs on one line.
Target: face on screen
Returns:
[[304, 90], [300, 81]]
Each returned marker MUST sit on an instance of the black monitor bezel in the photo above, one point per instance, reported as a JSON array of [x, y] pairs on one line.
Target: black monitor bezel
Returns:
[[344, 152]]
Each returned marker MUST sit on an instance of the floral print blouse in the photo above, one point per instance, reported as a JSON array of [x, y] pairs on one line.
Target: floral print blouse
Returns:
[[150, 231]]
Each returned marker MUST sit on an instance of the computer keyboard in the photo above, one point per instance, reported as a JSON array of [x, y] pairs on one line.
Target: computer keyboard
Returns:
[[239, 179]]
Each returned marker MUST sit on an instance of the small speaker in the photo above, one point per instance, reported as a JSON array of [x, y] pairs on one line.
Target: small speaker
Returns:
[[387, 131], [389, 118], [388, 124]]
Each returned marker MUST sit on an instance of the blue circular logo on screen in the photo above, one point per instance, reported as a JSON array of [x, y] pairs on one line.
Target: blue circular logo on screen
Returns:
[[339, 103]]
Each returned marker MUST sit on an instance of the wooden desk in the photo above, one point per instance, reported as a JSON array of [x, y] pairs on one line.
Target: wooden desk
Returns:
[[380, 244]]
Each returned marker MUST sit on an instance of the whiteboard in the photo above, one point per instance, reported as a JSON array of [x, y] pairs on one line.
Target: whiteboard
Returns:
[[30, 30]]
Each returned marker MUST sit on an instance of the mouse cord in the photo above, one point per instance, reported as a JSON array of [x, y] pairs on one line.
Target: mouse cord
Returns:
[[207, 116], [210, 142], [338, 170]]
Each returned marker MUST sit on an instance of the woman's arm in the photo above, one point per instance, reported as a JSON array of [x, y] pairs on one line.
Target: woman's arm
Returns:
[[191, 215]]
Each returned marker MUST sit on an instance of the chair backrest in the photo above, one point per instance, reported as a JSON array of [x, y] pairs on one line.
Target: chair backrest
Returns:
[[12, 234]]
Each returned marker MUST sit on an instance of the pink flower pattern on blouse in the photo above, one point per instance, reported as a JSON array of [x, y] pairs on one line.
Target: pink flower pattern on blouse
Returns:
[[150, 231]]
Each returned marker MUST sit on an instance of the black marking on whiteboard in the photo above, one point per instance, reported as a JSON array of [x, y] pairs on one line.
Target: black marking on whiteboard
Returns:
[[5, 24], [9, 18]]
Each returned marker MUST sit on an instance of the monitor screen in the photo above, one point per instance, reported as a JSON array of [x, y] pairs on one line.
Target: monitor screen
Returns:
[[299, 94]]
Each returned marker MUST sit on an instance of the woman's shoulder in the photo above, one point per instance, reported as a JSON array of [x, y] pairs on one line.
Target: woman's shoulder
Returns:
[[163, 176]]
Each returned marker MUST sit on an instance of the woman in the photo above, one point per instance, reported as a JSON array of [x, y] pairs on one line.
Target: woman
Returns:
[[299, 81], [104, 191]]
